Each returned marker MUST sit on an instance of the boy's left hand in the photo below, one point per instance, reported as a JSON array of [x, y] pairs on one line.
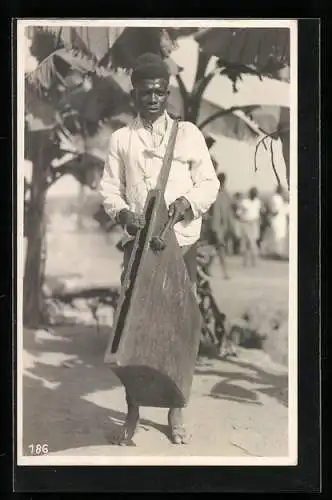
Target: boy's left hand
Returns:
[[178, 209]]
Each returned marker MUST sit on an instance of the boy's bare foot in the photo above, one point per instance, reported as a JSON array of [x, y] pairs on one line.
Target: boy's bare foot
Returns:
[[124, 436], [178, 431]]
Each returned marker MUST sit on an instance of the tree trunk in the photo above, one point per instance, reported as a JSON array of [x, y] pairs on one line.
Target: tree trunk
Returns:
[[284, 134], [33, 307], [285, 139], [195, 98], [80, 205]]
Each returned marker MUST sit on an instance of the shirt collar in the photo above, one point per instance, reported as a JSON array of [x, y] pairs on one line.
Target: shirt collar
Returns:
[[161, 121]]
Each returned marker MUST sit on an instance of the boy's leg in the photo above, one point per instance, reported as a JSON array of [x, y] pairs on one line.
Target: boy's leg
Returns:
[[178, 431], [130, 425]]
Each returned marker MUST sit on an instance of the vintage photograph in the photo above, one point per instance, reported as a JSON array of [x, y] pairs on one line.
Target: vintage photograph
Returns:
[[157, 233]]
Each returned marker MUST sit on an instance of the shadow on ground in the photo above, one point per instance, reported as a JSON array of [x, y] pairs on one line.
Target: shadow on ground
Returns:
[[63, 371], [261, 382], [69, 393]]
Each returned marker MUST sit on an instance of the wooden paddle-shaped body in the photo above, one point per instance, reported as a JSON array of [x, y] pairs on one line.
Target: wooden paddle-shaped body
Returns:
[[156, 331]]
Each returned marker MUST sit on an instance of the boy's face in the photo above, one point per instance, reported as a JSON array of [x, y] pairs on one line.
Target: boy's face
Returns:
[[150, 97]]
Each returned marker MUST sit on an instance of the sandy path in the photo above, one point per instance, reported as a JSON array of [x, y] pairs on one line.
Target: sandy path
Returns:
[[72, 402]]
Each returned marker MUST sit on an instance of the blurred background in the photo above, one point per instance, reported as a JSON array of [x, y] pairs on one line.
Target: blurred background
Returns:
[[234, 84]]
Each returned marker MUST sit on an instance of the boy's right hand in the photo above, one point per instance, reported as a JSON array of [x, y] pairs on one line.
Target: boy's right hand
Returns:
[[131, 221]]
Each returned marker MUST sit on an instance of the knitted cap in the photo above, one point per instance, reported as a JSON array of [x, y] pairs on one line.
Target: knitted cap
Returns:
[[149, 66]]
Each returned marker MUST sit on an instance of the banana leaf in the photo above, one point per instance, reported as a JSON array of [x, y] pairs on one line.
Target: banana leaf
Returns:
[[264, 50], [134, 41]]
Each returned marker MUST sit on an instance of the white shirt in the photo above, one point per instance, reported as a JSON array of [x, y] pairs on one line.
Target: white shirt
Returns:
[[250, 209], [279, 216], [134, 162], [277, 204]]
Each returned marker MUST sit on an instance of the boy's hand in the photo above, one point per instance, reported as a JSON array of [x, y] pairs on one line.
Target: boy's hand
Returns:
[[133, 222], [178, 209]]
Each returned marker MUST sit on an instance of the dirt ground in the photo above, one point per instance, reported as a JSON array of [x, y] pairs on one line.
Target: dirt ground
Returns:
[[72, 401]]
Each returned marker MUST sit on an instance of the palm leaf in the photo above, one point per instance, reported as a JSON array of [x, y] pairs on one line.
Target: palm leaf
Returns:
[[262, 50], [44, 41], [42, 78], [75, 60], [57, 65], [134, 41]]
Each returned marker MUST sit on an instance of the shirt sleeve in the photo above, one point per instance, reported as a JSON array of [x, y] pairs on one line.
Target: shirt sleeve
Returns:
[[112, 184], [205, 181]]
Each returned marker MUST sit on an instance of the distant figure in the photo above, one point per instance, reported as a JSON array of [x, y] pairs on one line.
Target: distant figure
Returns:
[[236, 234], [278, 221], [222, 223], [264, 225], [249, 213], [287, 208]]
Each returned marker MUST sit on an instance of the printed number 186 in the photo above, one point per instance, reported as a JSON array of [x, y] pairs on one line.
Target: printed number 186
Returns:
[[38, 449]]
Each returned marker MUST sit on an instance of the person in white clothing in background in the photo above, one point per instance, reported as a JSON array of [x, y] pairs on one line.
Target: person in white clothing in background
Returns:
[[278, 221], [249, 212]]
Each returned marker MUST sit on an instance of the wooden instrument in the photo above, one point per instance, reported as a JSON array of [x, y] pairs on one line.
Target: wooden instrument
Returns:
[[156, 331]]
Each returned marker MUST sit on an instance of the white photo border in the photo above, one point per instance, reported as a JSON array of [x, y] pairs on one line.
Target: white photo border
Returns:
[[292, 458]]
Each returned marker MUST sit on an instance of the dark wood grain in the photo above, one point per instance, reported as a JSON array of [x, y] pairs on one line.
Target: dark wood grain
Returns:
[[156, 331]]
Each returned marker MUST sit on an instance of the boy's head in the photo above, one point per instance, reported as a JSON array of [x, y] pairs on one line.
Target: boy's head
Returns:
[[150, 80]]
